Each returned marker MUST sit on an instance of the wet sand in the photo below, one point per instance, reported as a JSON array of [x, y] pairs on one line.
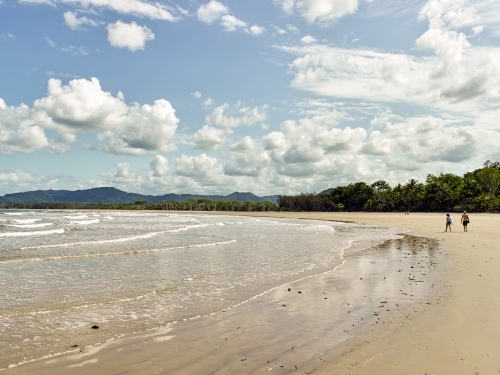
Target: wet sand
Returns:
[[405, 307], [458, 335]]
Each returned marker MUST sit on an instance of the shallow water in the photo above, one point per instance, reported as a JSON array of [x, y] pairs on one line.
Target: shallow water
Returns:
[[62, 272]]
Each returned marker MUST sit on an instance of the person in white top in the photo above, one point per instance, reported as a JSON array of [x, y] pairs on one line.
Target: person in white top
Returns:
[[449, 222]]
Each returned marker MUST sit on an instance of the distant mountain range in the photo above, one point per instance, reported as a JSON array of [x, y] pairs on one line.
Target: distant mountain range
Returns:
[[109, 195]]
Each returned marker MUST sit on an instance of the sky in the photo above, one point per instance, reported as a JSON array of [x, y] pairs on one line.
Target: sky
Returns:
[[272, 97]]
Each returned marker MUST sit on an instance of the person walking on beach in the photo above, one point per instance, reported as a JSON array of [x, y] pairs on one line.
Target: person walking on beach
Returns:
[[465, 220], [449, 222]]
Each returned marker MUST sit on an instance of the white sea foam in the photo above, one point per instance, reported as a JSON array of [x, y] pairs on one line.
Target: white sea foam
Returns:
[[220, 224], [85, 222], [13, 213], [76, 217], [187, 228], [179, 219], [25, 221], [130, 252], [320, 228], [124, 239], [39, 225], [37, 233], [109, 217]]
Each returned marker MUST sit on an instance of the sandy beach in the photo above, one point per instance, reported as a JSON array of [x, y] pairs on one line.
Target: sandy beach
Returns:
[[458, 335], [371, 325]]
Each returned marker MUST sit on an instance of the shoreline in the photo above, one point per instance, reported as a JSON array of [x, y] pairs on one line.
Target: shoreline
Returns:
[[430, 340], [264, 318], [457, 336]]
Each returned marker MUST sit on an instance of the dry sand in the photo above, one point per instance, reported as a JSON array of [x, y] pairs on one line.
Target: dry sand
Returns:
[[331, 328]]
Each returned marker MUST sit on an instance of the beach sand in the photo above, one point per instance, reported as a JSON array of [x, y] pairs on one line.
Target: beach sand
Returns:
[[359, 319]]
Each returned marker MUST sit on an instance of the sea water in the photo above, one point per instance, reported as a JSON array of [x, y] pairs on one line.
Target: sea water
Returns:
[[62, 272]]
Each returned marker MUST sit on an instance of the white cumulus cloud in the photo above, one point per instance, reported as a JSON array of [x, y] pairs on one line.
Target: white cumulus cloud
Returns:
[[129, 35], [83, 107], [209, 138], [211, 11], [256, 30], [231, 23], [203, 168], [245, 116], [250, 158], [74, 22], [308, 39], [320, 11], [159, 165], [18, 132]]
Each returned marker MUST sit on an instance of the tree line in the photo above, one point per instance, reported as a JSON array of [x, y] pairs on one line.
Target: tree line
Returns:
[[200, 204], [477, 191], [474, 191]]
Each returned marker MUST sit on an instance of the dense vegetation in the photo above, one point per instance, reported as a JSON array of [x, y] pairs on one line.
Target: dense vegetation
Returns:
[[475, 191], [201, 204]]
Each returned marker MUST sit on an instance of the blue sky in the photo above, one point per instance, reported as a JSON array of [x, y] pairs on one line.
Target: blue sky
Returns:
[[272, 97]]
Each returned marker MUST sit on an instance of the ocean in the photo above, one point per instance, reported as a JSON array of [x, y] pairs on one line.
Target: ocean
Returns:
[[62, 272]]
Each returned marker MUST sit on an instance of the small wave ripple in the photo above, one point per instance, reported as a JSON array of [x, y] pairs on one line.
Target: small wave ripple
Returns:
[[37, 233]]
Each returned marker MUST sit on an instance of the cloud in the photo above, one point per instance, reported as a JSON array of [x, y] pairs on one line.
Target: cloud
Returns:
[[122, 170], [314, 147], [457, 73], [18, 132], [152, 10], [208, 102], [14, 181], [246, 116], [287, 6], [428, 139], [449, 14], [159, 165], [231, 23], [280, 31], [129, 35], [256, 30], [251, 159], [122, 178], [76, 51], [11, 36], [147, 129], [83, 107], [209, 138], [203, 168], [308, 39], [319, 11], [61, 143], [75, 23], [211, 11], [49, 41], [215, 10], [196, 94], [477, 30]]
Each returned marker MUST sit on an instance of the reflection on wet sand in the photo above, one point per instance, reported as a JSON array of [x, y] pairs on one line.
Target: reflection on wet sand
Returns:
[[290, 328]]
